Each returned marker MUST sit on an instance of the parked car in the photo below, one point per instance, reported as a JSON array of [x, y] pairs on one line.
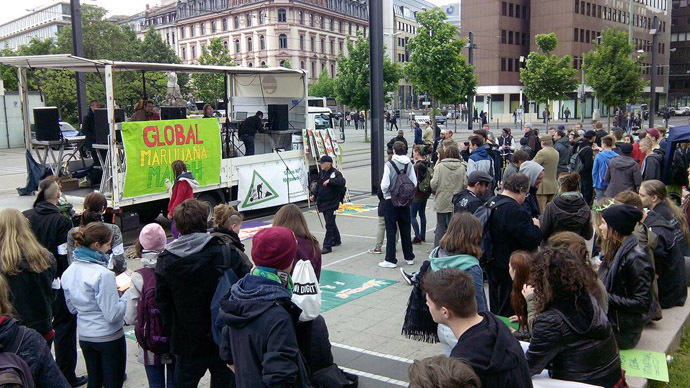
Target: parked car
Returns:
[[670, 110], [682, 111]]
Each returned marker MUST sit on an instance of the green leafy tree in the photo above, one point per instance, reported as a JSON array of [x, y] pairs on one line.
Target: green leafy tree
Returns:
[[324, 87], [437, 65], [211, 87], [352, 83], [286, 64], [155, 50], [546, 77], [611, 70]]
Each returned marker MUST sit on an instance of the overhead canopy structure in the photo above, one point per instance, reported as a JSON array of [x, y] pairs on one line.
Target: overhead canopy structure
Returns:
[[676, 135], [78, 64]]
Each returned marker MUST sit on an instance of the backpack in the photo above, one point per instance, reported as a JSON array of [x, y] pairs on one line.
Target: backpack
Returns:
[[483, 214], [576, 163], [149, 326], [424, 185], [403, 189], [225, 283], [14, 371]]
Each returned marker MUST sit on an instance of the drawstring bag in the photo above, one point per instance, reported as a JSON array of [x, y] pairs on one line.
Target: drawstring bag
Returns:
[[306, 293]]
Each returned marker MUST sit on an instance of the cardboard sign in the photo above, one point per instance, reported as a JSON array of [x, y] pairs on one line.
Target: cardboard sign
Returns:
[[266, 184], [645, 364], [512, 325], [152, 146]]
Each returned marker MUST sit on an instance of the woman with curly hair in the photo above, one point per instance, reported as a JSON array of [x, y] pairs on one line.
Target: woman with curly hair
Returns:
[[626, 272], [571, 335]]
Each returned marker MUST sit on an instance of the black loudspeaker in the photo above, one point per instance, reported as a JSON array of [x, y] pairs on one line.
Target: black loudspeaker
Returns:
[[278, 117], [47, 121], [173, 112], [101, 124]]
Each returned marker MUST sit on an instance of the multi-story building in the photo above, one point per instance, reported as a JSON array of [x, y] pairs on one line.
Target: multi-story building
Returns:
[[452, 11], [399, 25], [503, 42], [310, 34], [41, 23], [679, 69], [163, 18]]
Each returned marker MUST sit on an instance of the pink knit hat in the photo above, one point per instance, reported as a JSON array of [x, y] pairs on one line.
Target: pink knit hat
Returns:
[[152, 238]]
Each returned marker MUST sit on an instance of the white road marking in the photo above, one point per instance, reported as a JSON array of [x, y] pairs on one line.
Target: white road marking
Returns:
[[372, 353], [375, 377], [347, 258]]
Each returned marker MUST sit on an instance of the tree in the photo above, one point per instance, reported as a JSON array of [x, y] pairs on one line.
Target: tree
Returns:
[[352, 83], [611, 70], [155, 50], [286, 64], [324, 87], [211, 87], [546, 77], [437, 65]]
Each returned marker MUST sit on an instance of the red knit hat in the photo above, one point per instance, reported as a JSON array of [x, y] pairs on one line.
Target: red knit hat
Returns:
[[274, 247]]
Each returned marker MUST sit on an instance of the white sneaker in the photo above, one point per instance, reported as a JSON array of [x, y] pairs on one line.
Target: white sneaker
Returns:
[[387, 264], [410, 262]]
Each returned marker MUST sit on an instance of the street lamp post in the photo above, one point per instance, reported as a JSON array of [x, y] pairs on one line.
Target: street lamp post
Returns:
[[376, 92], [652, 84]]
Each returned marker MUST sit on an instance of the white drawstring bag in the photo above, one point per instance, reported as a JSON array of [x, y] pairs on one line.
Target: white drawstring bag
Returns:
[[306, 293]]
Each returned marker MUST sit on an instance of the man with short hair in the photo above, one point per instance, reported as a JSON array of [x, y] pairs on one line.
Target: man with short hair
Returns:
[[586, 155], [480, 160], [470, 199], [397, 216], [51, 228], [564, 149], [548, 158], [400, 137], [484, 342], [653, 161], [601, 165], [512, 229], [150, 113], [250, 126], [329, 192], [600, 132], [187, 273], [532, 141]]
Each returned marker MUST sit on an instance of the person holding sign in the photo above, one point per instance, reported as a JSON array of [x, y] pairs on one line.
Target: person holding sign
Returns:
[[248, 130], [571, 334]]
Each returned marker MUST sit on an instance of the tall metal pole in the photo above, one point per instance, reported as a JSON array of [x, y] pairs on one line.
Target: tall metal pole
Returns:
[[655, 65], [470, 58], [630, 22], [376, 92], [75, 9], [583, 98]]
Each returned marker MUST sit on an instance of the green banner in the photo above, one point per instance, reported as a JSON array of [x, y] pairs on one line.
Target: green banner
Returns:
[[338, 288], [152, 146], [645, 364]]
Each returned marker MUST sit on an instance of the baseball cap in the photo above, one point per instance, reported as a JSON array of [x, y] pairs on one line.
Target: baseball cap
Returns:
[[654, 132], [326, 159]]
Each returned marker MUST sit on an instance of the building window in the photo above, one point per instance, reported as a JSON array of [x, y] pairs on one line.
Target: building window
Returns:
[[524, 39], [262, 17], [182, 34], [330, 24], [510, 37], [340, 27], [301, 42], [184, 53], [263, 64], [300, 16], [203, 29], [249, 19], [301, 65], [282, 15], [575, 36], [511, 10], [323, 45], [225, 44], [524, 12], [313, 70], [311, 20], [237, 46], [213, 27], [191, 30], [193, 48], [504, 8], [517, 10], [225, 24], [262, 43], [340, 47], [236, 22], [313, 44], [503, 36], [332, 70], [503, 64], [582, 35], [332, 52], [510, 64], [250, 46], [282, 41], [173, 38]]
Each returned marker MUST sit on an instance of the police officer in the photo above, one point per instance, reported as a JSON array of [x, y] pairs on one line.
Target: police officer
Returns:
[[328, 193]]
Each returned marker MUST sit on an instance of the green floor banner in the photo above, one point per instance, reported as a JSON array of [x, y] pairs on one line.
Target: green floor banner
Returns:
[[645, 364], [152, 146], [338, 288]]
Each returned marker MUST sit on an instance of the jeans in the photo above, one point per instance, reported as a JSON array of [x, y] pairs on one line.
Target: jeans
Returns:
[[248, 141], [419, 208], [332, 233], [105, 362], [157, 376], [478, 278], [398, 218], [190, 369], [442, 220], [65, 325]]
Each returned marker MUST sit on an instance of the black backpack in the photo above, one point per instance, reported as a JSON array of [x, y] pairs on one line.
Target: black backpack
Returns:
[[14, 371], [403, 190], [483, 214]]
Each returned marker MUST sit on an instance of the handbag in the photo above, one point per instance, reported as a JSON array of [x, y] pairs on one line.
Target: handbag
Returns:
[[306, 293]]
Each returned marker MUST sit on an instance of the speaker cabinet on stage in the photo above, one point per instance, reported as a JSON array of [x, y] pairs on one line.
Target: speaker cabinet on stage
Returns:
[[278, 117], [173, 112], [101, 124], [47, 121]]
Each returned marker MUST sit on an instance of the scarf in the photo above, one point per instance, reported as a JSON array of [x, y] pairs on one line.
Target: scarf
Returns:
[[281, 277], [91, 256]]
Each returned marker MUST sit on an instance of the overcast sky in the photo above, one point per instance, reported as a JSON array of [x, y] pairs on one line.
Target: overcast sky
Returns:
[[14, 9]]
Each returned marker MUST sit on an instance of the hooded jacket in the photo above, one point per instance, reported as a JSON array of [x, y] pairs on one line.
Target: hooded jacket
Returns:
[[439, 259], [494, 354], [450, 177], [573, 339], [187, 274], [51, 228], [623, 174], [567, 213], [390, 176], [628, 281], [548, 158], [328, 197], [35, 352], [260, 335], [652, 166], [601, 165], [564, 153], [669, 262], [117, 262], [532, 170], [397, 138], [666, 212], [516, 231], [182, 190], [31, 295], [480, 160], [243, 264]]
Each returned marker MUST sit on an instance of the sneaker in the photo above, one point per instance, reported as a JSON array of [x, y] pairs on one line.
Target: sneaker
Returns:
[[376, 251], [387, 264], [406, 276], [416, 241], [410, 262], [326, 251]]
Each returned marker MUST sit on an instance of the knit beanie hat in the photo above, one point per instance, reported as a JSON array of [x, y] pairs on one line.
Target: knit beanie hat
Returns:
[[274, 247], [622, 218], [152, 238]]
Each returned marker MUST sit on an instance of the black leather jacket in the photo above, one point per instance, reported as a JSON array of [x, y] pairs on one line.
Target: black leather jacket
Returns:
[[573, 339], [628, 281]]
